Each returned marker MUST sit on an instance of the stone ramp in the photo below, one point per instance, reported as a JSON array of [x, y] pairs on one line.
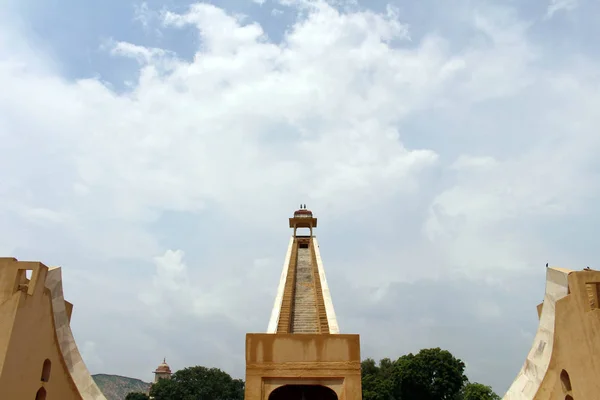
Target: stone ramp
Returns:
[[304, 313], [529, 379], [303, 302], [81, 376]]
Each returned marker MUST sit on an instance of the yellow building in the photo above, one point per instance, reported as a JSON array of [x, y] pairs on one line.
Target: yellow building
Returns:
[[38, 355], [564, 360], [303, 355], [163, 371]]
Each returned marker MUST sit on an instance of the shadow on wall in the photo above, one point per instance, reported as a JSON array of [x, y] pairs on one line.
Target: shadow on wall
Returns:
[[41, 394]]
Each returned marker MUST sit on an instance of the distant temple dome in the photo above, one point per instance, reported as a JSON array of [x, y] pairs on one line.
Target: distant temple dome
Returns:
[[163, 368], [302, 213]]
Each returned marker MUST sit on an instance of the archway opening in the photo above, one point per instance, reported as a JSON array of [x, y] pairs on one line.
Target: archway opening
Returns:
[[303, 232], [41, 394], [303, 392], [569, 397], [565, 380], [46, 368]]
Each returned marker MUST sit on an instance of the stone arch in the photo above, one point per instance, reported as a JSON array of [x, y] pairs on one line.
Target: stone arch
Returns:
[[41, 394], [566, 381], [46, 369], [299, 392]]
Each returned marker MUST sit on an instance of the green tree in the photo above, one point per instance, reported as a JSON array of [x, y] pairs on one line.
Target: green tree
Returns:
[[376, 387], [368, 367], [198, 383], [431, 374], [478, 391], [377, 380], [137, 396]]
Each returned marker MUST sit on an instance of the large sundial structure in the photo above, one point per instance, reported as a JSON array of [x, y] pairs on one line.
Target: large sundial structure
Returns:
[[303, 355]]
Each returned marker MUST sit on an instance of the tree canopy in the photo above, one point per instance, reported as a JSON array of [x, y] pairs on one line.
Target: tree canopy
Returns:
[[478, 391], [431, 374], [198, 383], [137, 396]]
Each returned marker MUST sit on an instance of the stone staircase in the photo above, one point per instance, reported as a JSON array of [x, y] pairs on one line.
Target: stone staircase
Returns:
[[305, 318]]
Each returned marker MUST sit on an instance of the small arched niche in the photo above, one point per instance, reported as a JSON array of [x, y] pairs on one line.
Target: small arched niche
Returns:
[[303, 392], [41, 394], [565, 380], [46, 368], [569, 397]]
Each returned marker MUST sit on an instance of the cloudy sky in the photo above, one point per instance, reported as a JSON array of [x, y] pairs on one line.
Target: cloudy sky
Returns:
[[155, 150]]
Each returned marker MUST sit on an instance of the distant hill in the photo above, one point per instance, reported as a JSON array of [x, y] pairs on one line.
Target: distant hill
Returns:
[[116, 387]]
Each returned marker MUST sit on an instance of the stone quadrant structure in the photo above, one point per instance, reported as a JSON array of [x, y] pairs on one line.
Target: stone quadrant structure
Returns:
[[39, 358], [564, 360], [303, 355]]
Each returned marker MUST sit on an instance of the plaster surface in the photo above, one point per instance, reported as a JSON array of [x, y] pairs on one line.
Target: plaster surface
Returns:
[[562, 363], [37, 350], [331, 318], [272, 328], [303, 359]]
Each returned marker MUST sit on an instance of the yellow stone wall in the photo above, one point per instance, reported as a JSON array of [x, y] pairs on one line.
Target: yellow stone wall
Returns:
[[576, 343], [275, 360], [28, 337], [35, 332]]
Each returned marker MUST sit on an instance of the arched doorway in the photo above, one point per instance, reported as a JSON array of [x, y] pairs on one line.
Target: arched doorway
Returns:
[[303, 392]]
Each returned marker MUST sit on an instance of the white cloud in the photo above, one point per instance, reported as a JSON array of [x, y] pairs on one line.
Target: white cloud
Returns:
[[221, 123], [172, 288], [147, 18], [560, 5], [143, 14], [41, 215], [143, 54], [440, 155], [89, 353], [466, 162]]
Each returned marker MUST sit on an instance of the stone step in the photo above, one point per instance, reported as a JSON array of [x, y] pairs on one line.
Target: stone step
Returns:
[[302, 307]]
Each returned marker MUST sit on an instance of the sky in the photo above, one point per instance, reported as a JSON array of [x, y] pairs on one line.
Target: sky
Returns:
[[154, 150]]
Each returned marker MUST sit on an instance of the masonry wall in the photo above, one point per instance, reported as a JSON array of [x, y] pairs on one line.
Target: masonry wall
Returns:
[[274, 360], [28, 337], [575, 362]]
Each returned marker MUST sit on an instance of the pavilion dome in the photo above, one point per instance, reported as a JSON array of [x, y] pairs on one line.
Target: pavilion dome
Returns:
[[303, 213], [163, 368]]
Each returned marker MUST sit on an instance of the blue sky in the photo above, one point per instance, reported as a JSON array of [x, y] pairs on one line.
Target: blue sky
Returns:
[[155, 150]]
